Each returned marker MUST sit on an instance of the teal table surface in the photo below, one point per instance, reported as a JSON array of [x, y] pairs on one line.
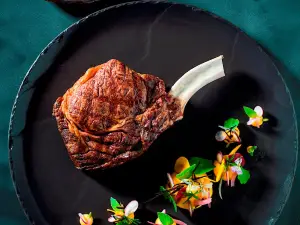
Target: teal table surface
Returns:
[[27, 26]]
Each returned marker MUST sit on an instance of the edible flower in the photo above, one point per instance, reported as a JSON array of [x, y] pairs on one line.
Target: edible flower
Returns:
[[229, 167], [189, 187], [230, 132], [255, 116], [164, 219], [251, 149], [123, 215], [86, 219]]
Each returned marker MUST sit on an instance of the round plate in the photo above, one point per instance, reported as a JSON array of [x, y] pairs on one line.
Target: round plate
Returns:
[[166, 40]]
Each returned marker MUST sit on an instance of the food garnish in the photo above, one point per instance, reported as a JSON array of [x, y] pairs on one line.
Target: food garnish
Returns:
[[251, 150], [189, 186], [164, 219], [230, 132], [123, 215], [255, 116], [85, 219], [229, 167]]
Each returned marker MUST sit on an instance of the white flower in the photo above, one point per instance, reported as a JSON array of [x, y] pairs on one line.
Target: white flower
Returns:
[[186, 181], [131, 207], [238, 161], [259, 111], [237, 169], [209, 185], [191, 188], [258, 120]]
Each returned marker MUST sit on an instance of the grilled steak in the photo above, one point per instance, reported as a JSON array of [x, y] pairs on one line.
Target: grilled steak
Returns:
[[112, 114]]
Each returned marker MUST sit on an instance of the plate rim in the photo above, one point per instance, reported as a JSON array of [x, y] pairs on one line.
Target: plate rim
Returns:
[[58, 37]]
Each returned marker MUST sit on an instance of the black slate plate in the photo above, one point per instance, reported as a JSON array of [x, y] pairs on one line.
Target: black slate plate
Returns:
[[166, 40]]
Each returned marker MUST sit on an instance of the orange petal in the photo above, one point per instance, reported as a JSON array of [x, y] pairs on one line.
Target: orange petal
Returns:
[[131, 216], [237, 130], [183, 203], [228, 175], [235, 150], [175, 179], [181, 164], [219, 169]]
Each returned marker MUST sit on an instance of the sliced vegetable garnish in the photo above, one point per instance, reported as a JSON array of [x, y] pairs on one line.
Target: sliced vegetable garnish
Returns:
[[220, 189], [170, 180], [203, 202], [179, 222]]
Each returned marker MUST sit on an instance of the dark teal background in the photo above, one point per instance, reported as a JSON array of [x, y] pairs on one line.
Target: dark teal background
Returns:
[[27, 26]]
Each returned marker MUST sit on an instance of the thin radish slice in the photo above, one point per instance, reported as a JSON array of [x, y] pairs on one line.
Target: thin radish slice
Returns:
[[220, 189], [170, 180], [179, 222], [203, 202]]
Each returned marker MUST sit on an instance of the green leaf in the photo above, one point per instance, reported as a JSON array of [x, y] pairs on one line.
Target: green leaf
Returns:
[[231, 158], [133, 221], [191, 195], [265, 119], [251, 150], [122, 222], [187, 173], [202, 165], [128, 221], [168, 196], [114, 204], [244, 177], [250, 112], [165, 219], [231, 123]]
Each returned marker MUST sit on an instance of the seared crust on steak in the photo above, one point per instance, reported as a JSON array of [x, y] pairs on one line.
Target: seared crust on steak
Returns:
[[112, 114]]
